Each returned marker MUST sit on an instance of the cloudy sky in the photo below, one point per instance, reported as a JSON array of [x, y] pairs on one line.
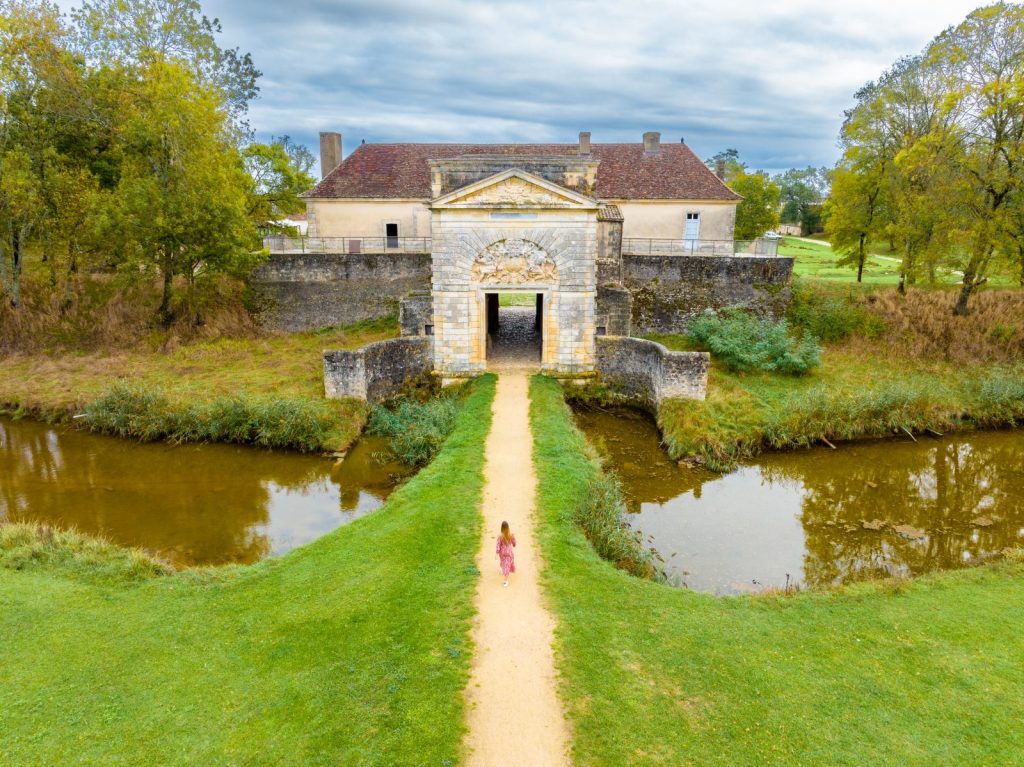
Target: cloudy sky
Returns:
[[769, 77]]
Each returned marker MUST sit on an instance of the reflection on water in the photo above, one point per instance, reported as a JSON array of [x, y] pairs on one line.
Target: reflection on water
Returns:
[[193, 504], [821, 516]]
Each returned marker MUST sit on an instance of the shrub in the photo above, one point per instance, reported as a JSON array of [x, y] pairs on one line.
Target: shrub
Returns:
[[831, 315], [416, 430], [744, 342], [148, 414]]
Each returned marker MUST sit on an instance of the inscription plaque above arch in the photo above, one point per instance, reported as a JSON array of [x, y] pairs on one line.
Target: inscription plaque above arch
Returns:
[[514, 262]]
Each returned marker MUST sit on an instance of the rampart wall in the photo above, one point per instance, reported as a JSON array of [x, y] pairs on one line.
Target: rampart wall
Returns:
[[670, 290], [315, 290]]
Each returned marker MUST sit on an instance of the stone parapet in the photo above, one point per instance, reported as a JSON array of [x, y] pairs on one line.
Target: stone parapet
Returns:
[[315, 290], [668, 291], [377, 371], [647, 370]]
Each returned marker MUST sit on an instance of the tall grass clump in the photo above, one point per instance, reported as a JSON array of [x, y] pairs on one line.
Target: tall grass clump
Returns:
[[599, 514], [831, 314], [922, 325], [148, 414], [416, 430], [744, 342], [25, 545]]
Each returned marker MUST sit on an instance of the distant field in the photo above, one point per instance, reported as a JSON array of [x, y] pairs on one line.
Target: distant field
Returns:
[[816, 259]]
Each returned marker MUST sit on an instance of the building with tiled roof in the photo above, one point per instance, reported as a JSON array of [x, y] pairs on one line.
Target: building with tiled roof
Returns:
[[455, 232], [663, 191]]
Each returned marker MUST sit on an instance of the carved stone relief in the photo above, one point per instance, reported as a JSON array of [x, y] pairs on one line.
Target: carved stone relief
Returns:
[[514, 262], [515, 191]]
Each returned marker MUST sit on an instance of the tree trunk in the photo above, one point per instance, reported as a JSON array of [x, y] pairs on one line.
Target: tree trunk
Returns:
[[860, 259], [166, 316], [974, 275], [16, 259]]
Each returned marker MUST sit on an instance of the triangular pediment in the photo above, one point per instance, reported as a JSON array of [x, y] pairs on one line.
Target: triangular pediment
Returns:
[[514, 188]]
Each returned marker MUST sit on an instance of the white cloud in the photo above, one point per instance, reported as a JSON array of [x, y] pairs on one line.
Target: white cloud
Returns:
[[770, 78]]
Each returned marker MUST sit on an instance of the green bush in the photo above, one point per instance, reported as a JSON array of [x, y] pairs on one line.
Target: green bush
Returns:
[[416, 430], [148, 414], [744, 342], [830, 315]]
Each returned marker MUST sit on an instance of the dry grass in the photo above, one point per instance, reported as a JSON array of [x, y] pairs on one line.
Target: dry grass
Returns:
[[106, 311], [921, 325]]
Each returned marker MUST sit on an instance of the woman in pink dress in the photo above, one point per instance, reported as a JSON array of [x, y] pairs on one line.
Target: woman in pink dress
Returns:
[[505, 551]]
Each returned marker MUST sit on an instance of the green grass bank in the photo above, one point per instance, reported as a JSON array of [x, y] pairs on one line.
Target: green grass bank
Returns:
[[351, 650], [925, 672], [851, 396], [265, 390]]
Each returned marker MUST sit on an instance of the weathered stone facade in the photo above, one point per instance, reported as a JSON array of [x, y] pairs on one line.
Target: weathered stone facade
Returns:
[[514, 232], [315, 290], [647, 370], [668, 291], [377, 371]]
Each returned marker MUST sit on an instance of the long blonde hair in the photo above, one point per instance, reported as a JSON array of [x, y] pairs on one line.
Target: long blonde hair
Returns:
[[506, 532]]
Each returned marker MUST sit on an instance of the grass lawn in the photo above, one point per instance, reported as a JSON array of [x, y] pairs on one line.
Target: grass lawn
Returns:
[[352, 650], [926, 672], [816, 259], [853, 394], [517, 299], [284, 366]]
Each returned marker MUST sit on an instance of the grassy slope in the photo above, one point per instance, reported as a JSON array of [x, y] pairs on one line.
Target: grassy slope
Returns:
[[280, 366], [351, 650], [925, 673], [851, 395], [816, 259]]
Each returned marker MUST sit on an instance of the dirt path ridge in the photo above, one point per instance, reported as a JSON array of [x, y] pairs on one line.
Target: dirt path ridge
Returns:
[[513, 713]]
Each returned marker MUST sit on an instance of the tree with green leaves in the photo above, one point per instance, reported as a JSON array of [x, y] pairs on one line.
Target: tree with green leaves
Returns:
[[136, 33], [982, 60], [39, 92], [758, 211], [182, 199], [799, 189], [279, 176]]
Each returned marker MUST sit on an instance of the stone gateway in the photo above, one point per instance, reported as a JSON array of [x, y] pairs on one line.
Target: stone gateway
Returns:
[[531, 247]]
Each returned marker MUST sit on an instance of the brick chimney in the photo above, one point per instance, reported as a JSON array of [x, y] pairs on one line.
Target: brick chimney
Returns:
[[720, 168], [652, 142], [584, 142], [330, 152]]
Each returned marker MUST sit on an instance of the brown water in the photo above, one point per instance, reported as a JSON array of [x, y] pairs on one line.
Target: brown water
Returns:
[[192, 504], [868, 509]]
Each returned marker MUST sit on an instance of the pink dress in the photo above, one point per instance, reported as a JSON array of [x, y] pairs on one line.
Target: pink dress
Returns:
[[505, 553]]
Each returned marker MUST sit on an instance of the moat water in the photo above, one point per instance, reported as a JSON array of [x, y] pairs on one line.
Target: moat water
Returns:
[[191, 504], [817, 517]]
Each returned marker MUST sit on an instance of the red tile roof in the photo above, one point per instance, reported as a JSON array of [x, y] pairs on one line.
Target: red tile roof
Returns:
[[400, 171]]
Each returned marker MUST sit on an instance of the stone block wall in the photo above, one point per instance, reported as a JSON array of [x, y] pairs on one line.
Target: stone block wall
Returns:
[[566, 237], [647, 370], [670, 290], [376, 371], [416, 314], [315, 290], [614, 311]]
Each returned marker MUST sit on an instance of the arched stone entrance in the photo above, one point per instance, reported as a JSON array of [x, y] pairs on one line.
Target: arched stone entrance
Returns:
[[514, 232]]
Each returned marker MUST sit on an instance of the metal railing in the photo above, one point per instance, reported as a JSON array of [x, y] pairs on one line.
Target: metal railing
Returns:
[[280, 244], [631, 246], [640, 246]]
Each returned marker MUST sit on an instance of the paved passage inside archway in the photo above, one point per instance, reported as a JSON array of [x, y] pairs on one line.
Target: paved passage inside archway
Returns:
[[516, 343], [513, 713]]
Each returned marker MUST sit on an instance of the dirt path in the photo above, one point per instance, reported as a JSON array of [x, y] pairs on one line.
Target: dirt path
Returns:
[[513, 713]]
